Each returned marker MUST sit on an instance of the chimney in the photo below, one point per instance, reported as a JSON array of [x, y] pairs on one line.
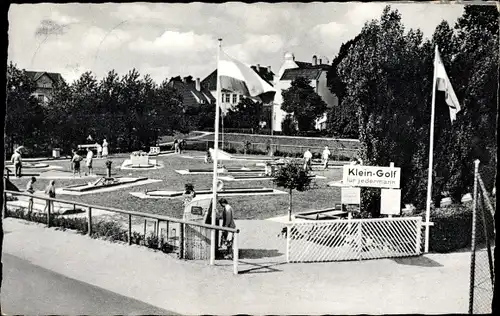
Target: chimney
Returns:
[[320, 62], [314, 62], [198, 85], [269, 69], [258, 67]]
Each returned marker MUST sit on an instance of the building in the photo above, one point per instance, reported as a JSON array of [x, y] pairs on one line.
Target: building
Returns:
[[230, 99], [192, 92], [315, 71], [45, 84]]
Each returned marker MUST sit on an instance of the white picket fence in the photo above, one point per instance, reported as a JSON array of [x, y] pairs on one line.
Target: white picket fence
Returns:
[[356, 239]]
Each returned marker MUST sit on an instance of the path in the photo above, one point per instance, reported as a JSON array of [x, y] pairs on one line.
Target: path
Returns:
[[431, 284], [28, 289]]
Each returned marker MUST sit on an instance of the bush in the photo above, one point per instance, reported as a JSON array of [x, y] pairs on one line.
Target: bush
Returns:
[[452, 228], [108, 230]]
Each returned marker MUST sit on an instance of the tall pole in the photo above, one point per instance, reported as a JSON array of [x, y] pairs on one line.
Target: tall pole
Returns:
[[431, 151], [213, 243], [473, 240]]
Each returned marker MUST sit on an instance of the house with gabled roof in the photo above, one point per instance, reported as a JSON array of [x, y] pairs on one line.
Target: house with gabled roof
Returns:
[[45, 84], [192, 92], [315, 72], [229, 99]]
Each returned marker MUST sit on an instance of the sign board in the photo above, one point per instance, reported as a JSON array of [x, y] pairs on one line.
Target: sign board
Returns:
[[390, 202], [371, 176], [351, 195]]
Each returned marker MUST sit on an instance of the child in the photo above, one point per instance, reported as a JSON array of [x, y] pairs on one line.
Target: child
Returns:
[[90, 156], [189, 193], [176, 146], [30, 190], [51, 192], [99, 150], [208, 157], [76, 163]]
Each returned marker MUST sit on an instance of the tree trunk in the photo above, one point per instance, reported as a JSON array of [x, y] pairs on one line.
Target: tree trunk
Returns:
[[290, 208]]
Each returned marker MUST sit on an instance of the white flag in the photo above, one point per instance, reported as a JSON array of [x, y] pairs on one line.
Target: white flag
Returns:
[[443, 84]]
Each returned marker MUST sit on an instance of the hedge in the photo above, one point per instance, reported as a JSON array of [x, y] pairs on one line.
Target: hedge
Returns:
[[108, 230], [452, 228]]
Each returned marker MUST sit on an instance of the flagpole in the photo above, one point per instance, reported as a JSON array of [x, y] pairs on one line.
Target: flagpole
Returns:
[[214, 158], [431, 152]]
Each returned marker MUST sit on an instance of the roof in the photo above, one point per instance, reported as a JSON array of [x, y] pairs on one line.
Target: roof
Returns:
[[307, 73], [210, 82], [54, 76], [190, 96], [305, 70]]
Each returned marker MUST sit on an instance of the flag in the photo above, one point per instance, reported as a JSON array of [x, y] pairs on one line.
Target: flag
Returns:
[[443, 84], [237, 77]]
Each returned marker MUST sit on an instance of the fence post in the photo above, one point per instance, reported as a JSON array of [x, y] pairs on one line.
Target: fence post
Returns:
[[4, 204], [48, 212], [360, 240], [235, 252], [89, 220], [181, 240], [473, 241], [288, 230], [129, 229], [419, 236]]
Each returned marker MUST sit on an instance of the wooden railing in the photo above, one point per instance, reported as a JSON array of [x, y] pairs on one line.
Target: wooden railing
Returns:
[[155, 217]]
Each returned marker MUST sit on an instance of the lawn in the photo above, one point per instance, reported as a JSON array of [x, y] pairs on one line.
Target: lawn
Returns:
[[246, 207]]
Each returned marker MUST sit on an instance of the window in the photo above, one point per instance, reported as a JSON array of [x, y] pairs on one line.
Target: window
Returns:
[[40, 98], [235, 96], [222, 99], [228, 97]]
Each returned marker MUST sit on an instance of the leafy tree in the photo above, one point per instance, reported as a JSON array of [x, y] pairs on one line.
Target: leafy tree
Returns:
[[24, 115], [246, 114], [387, 85], [304, 103], [292, 176]]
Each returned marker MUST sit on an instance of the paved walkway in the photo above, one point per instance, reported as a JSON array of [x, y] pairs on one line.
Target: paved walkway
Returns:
[[428, 284]]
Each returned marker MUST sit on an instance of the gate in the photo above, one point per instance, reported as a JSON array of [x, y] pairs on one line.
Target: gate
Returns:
[[355, 239]]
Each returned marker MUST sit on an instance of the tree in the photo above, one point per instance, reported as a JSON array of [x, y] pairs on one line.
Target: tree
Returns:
[[388, 85], [292, 176], [304, 103], [246, 114], [24, 114]]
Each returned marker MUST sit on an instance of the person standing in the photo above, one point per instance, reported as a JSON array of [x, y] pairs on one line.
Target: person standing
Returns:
[[176, 146], [90, 158], [99, 150], [104, 148], [30, 190], [50, 190], [307, 160], [326, 156], [18, 163], [75, 161], [227, 221]]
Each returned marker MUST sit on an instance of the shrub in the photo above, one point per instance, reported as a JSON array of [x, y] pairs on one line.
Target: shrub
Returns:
[[108, 230], [452, 228]]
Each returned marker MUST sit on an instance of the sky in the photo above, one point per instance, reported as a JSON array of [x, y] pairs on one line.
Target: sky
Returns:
[[167, 40]]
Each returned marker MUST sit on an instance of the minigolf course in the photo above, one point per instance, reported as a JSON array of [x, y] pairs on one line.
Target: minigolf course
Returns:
[[168, 194], [223, 155], [139, 160], [104, 184]]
